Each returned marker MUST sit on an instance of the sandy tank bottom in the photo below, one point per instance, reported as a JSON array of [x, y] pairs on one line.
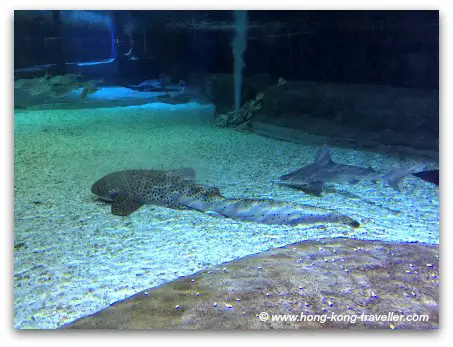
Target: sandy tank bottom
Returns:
[[72, 257]]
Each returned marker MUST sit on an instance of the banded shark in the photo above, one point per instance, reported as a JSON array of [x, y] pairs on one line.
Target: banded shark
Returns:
[[130, 189], [312, 177]]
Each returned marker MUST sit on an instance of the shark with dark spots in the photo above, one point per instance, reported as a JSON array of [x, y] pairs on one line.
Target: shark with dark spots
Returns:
[[130, 189], [312, 178]]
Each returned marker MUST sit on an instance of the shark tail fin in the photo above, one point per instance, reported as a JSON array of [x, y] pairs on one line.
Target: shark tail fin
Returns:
[[394, 177]]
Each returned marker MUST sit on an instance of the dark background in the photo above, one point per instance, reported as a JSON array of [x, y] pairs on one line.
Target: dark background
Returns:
[[396, 48]]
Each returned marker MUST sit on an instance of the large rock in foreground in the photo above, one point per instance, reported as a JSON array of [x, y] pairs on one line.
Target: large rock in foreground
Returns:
[[311, 281]]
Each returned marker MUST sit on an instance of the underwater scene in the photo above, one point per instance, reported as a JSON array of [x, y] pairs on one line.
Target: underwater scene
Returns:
[[226, 169]]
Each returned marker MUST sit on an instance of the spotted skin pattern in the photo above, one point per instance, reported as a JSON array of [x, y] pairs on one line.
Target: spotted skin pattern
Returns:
[[130, 189]]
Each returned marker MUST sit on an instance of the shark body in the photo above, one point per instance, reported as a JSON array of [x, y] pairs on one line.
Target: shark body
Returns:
[[130, 189], [313, 177]]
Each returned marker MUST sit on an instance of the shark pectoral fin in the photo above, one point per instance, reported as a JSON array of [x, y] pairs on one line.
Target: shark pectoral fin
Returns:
[[394, 185], [124, 206], [312, 188], [316, 187]]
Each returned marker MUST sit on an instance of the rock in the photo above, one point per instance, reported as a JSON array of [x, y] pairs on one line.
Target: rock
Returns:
[[239, 119]]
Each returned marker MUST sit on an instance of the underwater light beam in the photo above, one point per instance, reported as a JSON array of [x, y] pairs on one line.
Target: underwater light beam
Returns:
[[239, 46]]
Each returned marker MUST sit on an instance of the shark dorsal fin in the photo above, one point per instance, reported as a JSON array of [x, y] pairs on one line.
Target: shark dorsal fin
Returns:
[[186, 173], [323, 155]]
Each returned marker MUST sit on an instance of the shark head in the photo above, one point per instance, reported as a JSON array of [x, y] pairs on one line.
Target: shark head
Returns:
[[105, 188]]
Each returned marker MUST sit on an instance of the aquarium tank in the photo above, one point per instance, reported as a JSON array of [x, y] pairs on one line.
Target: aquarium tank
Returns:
[[226, 169]]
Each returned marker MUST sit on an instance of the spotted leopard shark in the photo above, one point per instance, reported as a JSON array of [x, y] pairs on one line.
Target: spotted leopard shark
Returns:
[[128, 190]]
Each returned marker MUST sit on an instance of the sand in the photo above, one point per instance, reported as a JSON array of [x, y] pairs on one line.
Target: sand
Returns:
[[73, 258]]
